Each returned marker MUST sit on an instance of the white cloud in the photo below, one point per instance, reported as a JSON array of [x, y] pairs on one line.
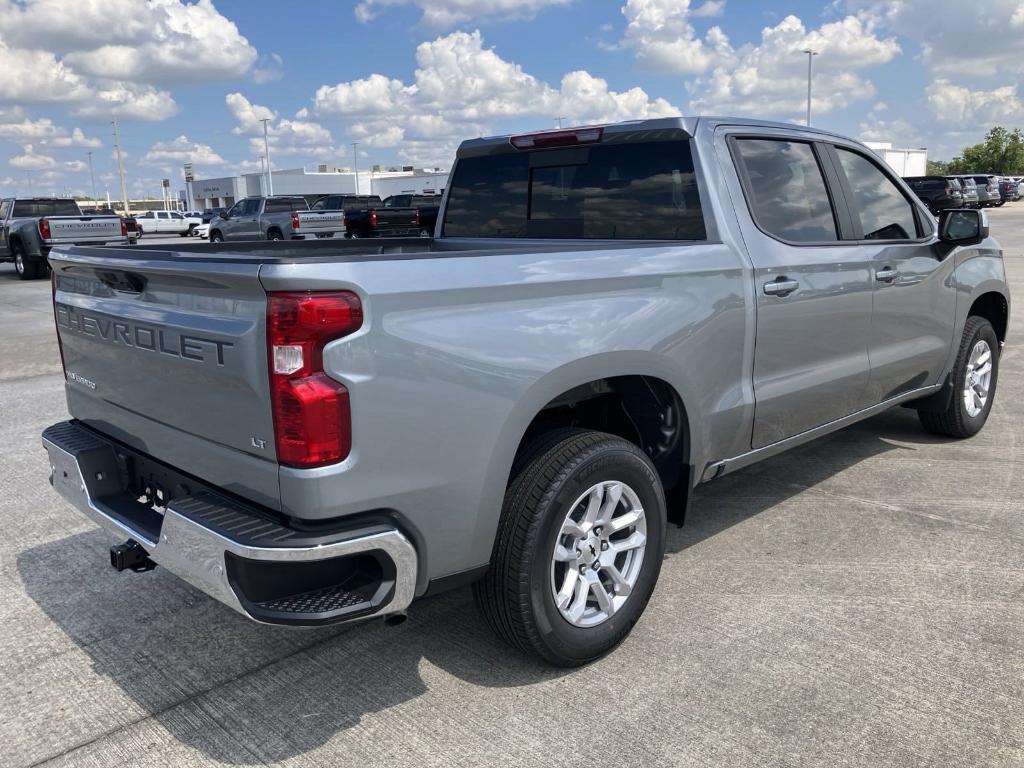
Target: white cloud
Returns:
[[160, 41], [449, 13], [128, 101], [770, 78], [30, 160], [76, 166], [247, 114], [296, 137], [270, 69], [958, 104], [459, 89], [660, 33], [710, 8], [182, 150], [32, 76], [957, 40], [45, 131]]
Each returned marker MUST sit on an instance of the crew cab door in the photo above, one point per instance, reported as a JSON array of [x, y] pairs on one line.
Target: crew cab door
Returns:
[[813, 290], [914, 312]]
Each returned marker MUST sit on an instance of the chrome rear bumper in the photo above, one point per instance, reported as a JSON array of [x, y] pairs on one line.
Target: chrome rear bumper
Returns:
[[234, 553]]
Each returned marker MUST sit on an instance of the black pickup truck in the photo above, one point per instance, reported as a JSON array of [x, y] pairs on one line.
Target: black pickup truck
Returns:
[[427, 205]]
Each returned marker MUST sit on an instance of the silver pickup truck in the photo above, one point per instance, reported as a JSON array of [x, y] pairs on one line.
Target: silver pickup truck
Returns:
[[31, 226], [609, 316], [275, 218]]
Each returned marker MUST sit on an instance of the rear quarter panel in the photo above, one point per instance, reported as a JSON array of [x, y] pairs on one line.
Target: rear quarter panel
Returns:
[[457, 355]]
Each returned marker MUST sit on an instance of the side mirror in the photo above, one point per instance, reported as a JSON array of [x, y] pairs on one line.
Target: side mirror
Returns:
[[224, 214], [961, 226]]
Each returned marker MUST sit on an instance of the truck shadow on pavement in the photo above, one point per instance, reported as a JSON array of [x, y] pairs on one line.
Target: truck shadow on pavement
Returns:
[[240, 693]]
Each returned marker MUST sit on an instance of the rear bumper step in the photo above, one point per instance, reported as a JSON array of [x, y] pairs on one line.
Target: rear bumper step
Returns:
[[234, 553]]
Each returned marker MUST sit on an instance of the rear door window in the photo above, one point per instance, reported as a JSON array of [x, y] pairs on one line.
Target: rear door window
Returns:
[[786, 190], [635, 191], [884, 212]]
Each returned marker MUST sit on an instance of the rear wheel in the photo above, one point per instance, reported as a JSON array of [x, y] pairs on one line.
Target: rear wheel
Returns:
[[353, 235], [274, 234], [424, 232], [974, 383], [26, 267], [578, 550]]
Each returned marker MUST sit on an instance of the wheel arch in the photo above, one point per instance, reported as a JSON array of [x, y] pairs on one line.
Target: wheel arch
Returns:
[[994, 307], [633, 378]]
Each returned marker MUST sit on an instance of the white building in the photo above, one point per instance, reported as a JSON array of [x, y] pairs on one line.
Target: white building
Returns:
[[225, 191], [905, 162]]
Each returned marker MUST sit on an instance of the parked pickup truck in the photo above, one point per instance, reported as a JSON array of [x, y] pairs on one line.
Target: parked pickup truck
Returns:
[[609, 316], [31, 226], [428, 207], [275, 218]]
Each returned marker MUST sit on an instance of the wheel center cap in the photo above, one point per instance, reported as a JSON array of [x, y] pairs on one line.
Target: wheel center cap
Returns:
[[591, 550]]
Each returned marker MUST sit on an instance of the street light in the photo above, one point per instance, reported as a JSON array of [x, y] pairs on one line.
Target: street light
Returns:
[[92, 178], [355, 164], [810, 57], [266, 146]]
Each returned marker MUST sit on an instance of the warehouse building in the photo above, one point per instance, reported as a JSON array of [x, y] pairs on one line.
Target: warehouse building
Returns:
[[224, 192]]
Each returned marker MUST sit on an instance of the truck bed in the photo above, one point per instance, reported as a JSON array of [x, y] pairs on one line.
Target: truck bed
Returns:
[[340, 251]]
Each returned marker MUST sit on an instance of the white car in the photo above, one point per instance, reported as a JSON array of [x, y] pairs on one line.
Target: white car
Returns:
[[202, 230], [166, 222]]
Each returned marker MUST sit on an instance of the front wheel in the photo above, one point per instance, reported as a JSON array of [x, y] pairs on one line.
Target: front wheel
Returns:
[[975, 373], [578, 550], [216, 237]]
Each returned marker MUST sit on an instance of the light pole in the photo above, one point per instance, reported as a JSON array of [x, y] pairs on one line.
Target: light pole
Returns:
[[355, 164], [266, 146], [263, 166], [120, 168], [92, 178], [810, 57], [559, 121]]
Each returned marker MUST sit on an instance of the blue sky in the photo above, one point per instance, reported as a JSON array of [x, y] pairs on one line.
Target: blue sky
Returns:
[[408, 79]]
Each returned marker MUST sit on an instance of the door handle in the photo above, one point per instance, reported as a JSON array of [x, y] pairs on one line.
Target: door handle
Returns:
[[780, 286], [886, 274]]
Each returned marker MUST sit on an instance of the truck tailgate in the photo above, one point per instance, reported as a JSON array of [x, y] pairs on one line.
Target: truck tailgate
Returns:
[[82, 229], [171, 359], [311, 222]]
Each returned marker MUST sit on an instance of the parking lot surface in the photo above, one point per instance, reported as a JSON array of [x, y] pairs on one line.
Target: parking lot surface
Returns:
[[857, 601]]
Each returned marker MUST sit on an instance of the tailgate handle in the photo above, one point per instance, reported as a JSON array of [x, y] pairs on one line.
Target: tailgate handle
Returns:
[[128, 282]]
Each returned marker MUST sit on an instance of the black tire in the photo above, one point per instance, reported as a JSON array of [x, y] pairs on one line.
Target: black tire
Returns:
[[274, 234], [353, 235], [25, 267], [424, 232], [516, 597], [138, 228], [216, 237], [956, 421]]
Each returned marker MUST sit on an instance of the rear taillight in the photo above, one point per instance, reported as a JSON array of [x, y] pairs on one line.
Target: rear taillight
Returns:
[[416, 220], [373, 217], [312, 419], [44, 229], [295, 220], [124, 227]]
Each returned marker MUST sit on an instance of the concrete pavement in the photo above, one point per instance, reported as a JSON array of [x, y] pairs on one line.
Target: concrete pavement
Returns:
[[855, 602]]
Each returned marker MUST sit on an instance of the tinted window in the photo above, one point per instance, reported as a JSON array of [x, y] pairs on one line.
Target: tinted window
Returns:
[[620, 191], [250, 207], [5, 206], [32, 208], [885, 214], [787, 191], [276, 205]]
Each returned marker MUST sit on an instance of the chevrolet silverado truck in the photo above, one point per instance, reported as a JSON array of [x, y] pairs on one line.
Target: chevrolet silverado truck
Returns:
[[385, 222], [609, 316], [281, 217], [31, 226]]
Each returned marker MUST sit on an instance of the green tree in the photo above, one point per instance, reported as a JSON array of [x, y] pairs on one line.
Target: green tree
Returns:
[[1001, 152], [938, 168]]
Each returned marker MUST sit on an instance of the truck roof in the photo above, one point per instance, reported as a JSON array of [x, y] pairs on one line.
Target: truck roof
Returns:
[[681, 127]]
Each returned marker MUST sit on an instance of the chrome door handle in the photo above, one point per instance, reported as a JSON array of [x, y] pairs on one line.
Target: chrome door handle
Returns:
[[780, 286], [886, 274]]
